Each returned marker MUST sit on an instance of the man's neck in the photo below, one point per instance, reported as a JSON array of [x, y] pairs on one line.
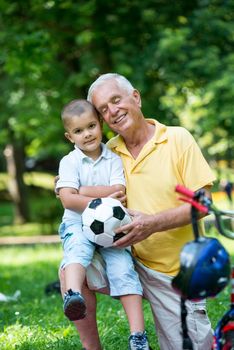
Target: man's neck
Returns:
[[136, 140]]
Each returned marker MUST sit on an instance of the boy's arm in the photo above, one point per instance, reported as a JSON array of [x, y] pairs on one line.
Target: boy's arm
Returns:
[[100, 191], [73, 199], [114, 191], [76, 198]]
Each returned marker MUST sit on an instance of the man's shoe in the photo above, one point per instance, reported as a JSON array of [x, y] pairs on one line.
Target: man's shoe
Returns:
[[74, 305], [138, 341]]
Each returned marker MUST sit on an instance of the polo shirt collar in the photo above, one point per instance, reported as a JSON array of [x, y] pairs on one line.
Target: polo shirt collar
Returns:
[[160, 134], [105, 153]]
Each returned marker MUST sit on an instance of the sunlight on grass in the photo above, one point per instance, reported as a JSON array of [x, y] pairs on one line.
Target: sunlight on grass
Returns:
[[43, 180], [36, 337], [35, 178], [16, 256], [28, 229]]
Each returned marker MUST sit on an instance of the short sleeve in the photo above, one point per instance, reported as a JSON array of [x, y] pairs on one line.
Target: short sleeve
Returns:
[[68, 174], [194, 169], [117, 173]]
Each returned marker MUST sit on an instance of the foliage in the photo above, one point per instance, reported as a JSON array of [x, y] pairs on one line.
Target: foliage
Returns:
[[180, 57], [45, 209]]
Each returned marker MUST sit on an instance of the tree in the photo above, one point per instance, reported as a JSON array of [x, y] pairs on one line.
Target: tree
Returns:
[[180, 58]]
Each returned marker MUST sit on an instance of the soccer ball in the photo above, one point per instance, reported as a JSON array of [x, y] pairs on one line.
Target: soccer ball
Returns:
[[101, 217]]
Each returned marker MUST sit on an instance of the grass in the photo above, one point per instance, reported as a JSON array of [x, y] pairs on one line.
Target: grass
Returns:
[[36, 321]]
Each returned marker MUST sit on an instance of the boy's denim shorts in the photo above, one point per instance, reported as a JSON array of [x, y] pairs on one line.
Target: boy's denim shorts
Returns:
[[76, 247], [121, 274]]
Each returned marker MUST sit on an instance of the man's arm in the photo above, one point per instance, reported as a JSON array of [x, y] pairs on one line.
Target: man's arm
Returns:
[[143, 225]]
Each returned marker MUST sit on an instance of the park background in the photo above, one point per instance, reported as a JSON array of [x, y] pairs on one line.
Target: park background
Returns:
[[178, 54]]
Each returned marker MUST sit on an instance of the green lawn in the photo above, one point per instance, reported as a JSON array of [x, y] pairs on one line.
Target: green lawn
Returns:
[[36, 321]]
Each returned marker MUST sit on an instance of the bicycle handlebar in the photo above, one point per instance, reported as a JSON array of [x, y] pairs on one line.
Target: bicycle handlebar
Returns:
[[185, 191], [204, 204]]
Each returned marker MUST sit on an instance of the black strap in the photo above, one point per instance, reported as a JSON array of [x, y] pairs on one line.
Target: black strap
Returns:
[[187, 343], [194, 217]]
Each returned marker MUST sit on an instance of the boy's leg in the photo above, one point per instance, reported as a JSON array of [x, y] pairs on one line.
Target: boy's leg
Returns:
[[74, 303], [74, 277], [120, 270], [87, 327], [132, 305], [133, 308], [78, 252], [165, 305], [124, 283]]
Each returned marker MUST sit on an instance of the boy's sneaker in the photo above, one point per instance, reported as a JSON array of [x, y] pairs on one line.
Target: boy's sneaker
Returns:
[[74, 305], [138, 341]]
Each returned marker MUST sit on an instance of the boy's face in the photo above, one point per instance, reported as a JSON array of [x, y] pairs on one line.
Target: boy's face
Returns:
[[86, 133]]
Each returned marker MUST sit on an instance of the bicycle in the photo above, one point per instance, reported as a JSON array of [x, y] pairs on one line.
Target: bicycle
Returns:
[[198, 255]]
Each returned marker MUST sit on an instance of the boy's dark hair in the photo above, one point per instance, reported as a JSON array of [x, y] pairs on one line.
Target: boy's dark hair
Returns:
[[75, 108]]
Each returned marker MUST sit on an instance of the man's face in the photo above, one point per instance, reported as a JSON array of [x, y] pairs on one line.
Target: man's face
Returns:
[[118, 107]]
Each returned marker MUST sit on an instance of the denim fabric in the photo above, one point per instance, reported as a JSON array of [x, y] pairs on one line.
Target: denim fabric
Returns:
[[121, 274]]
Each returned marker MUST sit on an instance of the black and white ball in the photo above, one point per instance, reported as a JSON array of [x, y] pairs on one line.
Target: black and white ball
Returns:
[[101, 217]]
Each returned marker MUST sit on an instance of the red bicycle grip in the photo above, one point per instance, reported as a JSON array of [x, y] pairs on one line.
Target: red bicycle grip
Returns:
[[185, 191], [195, 204]]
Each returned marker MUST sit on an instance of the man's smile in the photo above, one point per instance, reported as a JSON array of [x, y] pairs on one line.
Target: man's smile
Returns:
[[120, 118]]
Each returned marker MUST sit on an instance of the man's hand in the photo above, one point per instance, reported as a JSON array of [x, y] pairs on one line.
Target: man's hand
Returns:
[[140, 228], [121, 196]]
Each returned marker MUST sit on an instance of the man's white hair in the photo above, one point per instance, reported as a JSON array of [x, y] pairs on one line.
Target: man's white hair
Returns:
[[121, 81]]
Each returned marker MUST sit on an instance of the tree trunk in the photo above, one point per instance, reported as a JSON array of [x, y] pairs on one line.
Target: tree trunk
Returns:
[[15, 167]]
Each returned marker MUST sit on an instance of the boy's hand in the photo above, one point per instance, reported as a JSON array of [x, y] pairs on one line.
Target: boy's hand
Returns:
[[121, 196]]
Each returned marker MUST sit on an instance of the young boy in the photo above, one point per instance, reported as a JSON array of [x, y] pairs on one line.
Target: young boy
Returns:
[[91, 171]]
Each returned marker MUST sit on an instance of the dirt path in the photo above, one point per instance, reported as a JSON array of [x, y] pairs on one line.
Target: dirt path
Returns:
[[29, 240]]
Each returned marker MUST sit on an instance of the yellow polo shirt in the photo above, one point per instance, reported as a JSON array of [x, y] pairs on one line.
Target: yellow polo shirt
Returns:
[[171, 157]]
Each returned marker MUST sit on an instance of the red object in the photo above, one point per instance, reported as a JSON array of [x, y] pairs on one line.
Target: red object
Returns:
[[185, 191], [190, 198], [228, 327], [232, 286]]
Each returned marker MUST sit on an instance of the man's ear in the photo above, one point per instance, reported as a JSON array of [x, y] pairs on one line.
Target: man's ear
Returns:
[[67, 135], [137, 97]]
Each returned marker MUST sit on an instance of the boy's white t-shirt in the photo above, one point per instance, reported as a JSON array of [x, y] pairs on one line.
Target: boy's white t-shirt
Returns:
[[76, 170]]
